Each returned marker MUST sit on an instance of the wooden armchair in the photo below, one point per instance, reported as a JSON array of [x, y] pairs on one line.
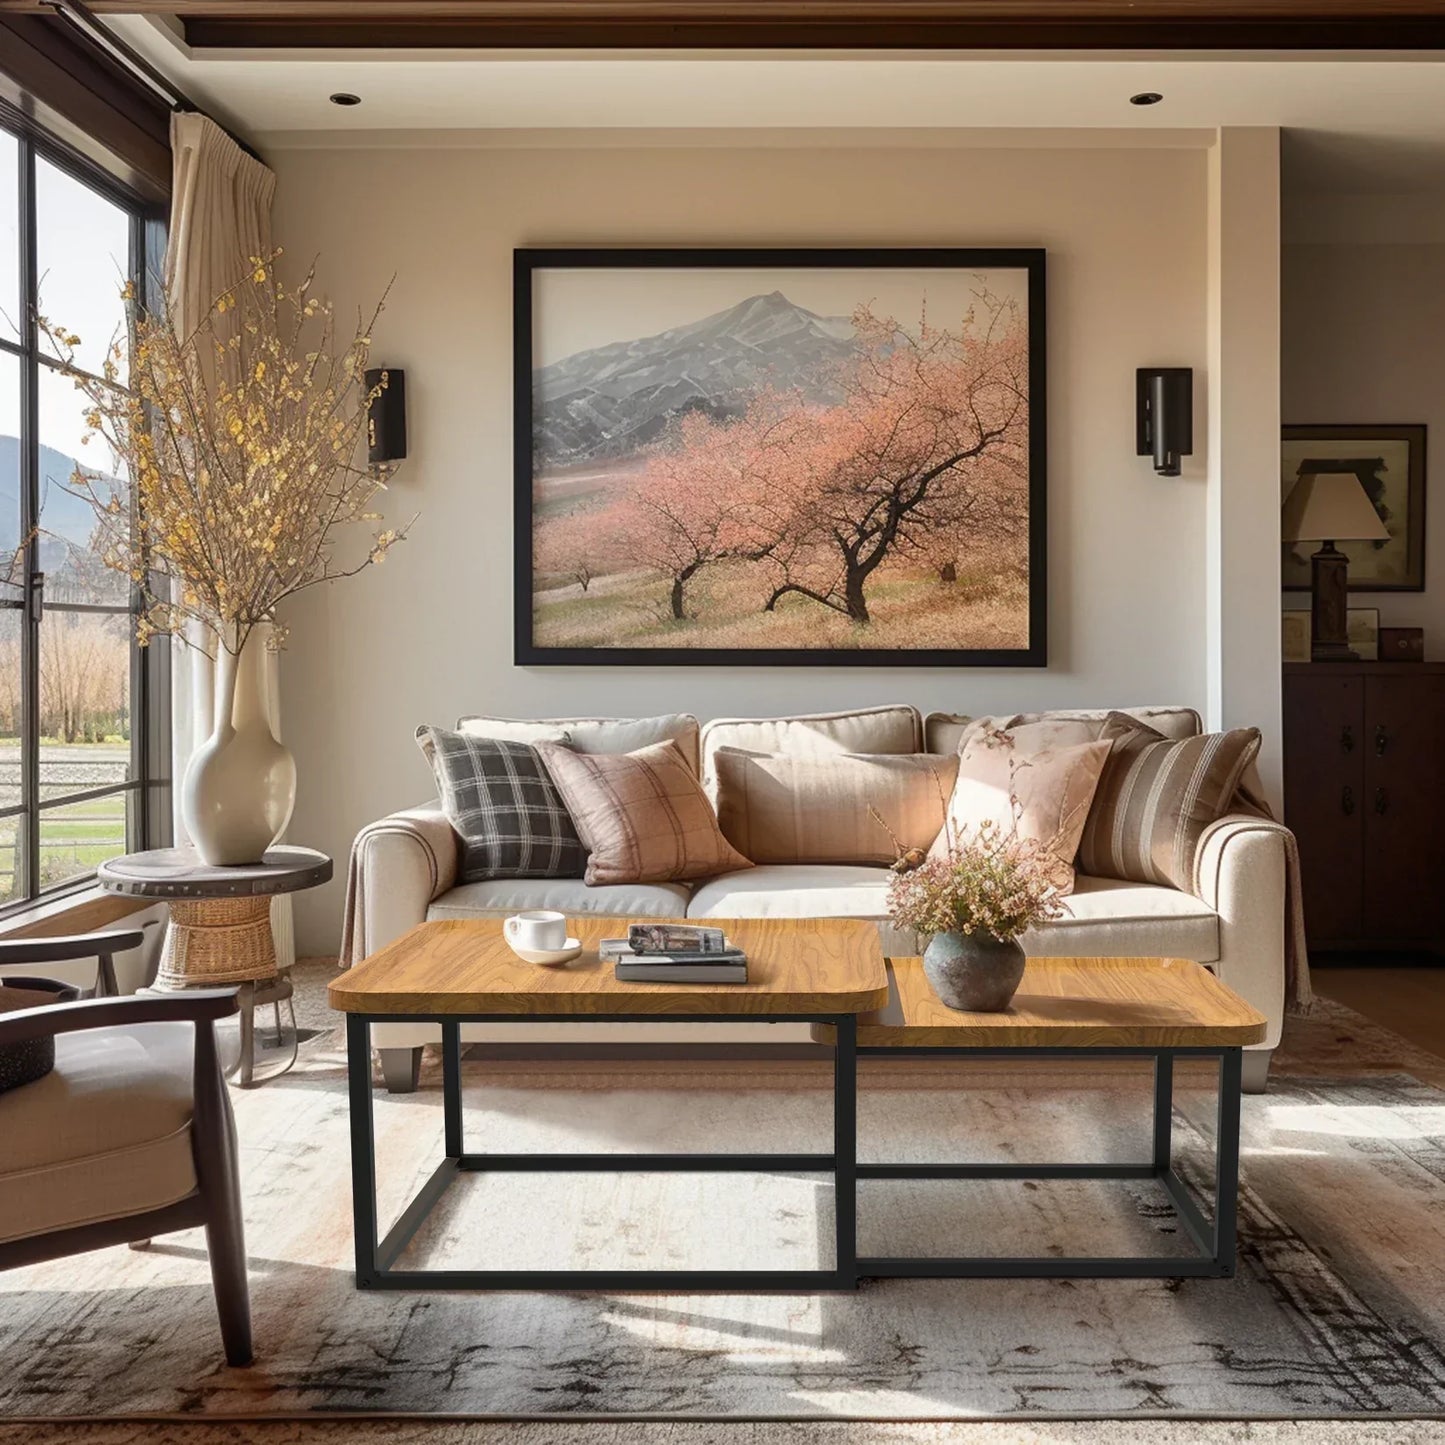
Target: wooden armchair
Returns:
[[130, 1136]]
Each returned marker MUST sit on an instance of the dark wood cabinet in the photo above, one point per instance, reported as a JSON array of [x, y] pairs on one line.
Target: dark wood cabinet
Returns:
[[1364, 784]]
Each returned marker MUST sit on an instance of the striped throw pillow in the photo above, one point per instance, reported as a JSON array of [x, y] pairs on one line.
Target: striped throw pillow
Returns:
[[1156, 797]]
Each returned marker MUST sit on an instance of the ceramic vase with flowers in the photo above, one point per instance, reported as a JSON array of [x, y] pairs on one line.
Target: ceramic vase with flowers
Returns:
[[242, 437], [973, 903]]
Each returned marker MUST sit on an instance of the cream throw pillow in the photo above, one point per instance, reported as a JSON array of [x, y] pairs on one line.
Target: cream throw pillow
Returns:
[[1042, 795], [643, 816], [781, 808]]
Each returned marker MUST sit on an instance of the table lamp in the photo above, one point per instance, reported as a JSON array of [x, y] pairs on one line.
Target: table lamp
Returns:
[[1330, 507]]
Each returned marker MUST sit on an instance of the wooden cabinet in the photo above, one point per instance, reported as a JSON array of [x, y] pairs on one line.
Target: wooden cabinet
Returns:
[[1364, 782]]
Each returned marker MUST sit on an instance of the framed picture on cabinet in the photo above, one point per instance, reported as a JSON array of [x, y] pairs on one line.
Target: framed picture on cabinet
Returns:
[[780, 457], [1362, 632], [1390, 463]]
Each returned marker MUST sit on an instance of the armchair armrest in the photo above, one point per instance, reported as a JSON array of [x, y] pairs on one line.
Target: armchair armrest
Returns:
[[1246, 870], [196, 1005], [398, 865]]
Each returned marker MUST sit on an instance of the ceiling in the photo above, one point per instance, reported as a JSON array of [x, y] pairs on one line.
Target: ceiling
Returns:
[[1355, 123]]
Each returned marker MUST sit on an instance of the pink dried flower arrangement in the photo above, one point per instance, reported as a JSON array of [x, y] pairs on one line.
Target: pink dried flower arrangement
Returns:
[[991, 882]]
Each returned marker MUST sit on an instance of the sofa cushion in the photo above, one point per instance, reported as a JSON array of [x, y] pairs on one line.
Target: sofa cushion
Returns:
[[593, 734], [805, 890], [499, 897], [643, 816], [504, 807], [1156, 798], [943, 732], [1040, 795], [841, 808], [896, 728], [1102, 916], [106, 1134], [1105, 916]]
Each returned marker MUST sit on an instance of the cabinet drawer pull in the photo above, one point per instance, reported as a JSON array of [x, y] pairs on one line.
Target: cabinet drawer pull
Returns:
[[1382, 800], [1347, 739], [1382, 740], [1347, 801]]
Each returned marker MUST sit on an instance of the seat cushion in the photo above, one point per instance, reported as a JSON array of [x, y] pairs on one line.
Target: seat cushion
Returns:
[[1132, 920], [805, 890], [1104, 916], [105, 1135], [498, 897]]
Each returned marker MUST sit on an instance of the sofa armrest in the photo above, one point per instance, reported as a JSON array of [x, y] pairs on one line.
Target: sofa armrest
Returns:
[[398, 865], [1242, 872]]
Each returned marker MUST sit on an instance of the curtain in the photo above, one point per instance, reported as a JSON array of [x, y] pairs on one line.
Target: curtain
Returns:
[[220, 218]]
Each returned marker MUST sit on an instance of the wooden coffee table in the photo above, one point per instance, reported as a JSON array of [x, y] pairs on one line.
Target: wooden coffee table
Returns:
[[823, 971], [1156, 1008]]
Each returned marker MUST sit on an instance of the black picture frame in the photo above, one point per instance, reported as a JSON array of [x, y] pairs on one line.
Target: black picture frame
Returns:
[[1413, 435], [527, 262]]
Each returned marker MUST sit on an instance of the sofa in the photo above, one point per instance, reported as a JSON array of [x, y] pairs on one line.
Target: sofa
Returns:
[[404, 870]]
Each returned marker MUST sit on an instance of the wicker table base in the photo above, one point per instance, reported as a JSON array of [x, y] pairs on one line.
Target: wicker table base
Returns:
[[217, 940]]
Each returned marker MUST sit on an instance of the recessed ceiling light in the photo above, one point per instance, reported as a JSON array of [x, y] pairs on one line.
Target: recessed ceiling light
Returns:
[[1145, 97], [345, 97]]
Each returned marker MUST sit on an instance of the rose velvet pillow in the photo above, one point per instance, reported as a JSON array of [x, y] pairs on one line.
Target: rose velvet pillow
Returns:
[[643, 816], [1043, 796]]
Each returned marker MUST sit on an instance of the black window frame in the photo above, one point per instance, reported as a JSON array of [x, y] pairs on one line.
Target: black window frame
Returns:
[[148, 821]]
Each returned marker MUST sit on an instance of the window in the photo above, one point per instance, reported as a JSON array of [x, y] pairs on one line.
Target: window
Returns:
[[80, 745]]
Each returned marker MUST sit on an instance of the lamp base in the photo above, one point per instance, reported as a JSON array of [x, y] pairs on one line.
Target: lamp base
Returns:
[[1329, 606]]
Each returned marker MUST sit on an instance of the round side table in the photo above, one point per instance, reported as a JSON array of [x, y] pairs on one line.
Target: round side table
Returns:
[[220, 925]]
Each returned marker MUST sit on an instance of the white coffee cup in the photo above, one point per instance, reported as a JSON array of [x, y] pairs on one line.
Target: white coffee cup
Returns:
[[541, 931]]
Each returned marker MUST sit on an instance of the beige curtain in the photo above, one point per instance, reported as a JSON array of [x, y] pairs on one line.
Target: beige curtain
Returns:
[[220, 218]]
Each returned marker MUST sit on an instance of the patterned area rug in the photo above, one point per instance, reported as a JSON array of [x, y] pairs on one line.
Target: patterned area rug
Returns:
[[1338, 1308]]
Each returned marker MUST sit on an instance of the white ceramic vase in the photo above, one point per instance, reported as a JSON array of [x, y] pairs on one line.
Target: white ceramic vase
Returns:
[[240, 785]]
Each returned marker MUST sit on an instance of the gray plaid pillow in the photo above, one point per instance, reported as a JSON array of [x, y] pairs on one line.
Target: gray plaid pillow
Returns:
[[506, 809]]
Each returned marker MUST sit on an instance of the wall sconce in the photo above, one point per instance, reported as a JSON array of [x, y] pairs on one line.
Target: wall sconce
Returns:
[[1164, 415], [386, 425]]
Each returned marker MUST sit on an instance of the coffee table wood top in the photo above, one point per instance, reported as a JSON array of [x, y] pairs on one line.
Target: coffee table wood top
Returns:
[[463, 966], [1070, 1003]]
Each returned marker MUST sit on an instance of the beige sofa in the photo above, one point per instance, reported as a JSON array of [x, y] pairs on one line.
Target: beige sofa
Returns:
[[404, 870]]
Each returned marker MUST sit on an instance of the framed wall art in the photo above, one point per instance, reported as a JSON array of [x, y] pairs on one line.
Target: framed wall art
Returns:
[[792, 457], [1390, 463]]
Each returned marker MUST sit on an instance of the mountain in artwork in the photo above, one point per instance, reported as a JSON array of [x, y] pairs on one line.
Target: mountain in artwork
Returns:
[[613, 400]]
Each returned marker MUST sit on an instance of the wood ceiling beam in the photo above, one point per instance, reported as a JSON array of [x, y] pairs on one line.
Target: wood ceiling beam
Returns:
[[791, 24]]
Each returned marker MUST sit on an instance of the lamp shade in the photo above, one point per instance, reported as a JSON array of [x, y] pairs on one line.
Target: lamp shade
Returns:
[[1330, 507]]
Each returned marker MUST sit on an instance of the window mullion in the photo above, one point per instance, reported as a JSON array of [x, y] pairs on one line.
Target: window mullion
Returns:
[[29, 521]]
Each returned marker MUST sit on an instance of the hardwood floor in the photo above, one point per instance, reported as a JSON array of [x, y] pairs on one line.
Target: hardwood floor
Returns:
[[1411, 1001]]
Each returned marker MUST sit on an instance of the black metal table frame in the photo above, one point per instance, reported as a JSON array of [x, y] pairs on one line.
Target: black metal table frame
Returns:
[[376, 1254], [1213, 1239]]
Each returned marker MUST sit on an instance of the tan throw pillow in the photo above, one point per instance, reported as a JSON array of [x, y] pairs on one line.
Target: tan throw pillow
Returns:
[[1043, 795], [643, 816], [779, 808], [1157, 796]]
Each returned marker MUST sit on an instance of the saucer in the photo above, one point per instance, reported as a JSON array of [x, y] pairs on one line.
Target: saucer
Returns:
[[549, 957]]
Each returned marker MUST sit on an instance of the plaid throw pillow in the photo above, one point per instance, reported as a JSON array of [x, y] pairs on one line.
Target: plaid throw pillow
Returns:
[[504, 806]]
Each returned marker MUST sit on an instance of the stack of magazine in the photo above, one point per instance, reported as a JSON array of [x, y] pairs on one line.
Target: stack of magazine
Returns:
[[675, 953]]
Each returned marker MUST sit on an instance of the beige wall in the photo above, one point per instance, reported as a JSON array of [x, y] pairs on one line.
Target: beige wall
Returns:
[[428, 636], [1363, 341]]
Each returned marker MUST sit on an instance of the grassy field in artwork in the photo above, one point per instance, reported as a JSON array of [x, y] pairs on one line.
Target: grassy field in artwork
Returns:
[[910, 608]]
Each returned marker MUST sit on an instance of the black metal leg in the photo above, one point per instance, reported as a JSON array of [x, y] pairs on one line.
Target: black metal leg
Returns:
[[845, 1148], [363, 1147], [1226, 1161], [1163, 1111], [452, 1088]]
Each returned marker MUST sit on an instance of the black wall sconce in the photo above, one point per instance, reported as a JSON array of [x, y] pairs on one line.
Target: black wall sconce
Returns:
[[1164, 415], [386, 425]]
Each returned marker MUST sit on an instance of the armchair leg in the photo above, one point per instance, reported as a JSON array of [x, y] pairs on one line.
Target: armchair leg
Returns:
[[401, 1069], [1255, 1074], [213, 1136]]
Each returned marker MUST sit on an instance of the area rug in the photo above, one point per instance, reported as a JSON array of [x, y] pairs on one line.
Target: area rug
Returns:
[[1338, 1308]]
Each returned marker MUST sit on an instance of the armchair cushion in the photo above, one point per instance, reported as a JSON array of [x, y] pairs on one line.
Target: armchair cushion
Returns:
[[106, 1134]]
